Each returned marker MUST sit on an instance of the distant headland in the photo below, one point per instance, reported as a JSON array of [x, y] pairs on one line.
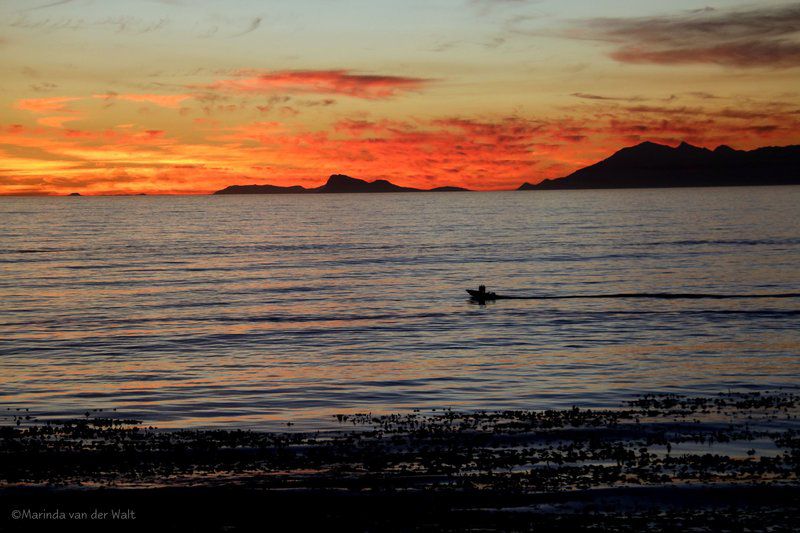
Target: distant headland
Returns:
[[645, 165], [337, 183], [656, 165]]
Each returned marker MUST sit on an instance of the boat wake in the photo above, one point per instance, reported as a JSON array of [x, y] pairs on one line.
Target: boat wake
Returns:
[[652, 295]]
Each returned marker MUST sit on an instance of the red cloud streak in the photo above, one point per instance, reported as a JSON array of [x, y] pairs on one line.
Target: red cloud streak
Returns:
[[341, 82]]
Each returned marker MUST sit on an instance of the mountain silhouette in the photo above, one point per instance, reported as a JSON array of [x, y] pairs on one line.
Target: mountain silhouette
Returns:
[[656, 165], [337, 183], [342, 183], [262, 189]]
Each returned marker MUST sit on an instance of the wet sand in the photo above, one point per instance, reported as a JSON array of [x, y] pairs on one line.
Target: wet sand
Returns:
[[656, 463]]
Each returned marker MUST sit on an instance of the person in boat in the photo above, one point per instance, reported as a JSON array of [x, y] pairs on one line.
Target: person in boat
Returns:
[[481, 294]]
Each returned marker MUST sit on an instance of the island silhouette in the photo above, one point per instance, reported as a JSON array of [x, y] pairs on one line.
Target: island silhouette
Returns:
[[655, 165], [645, 165], [337, 183]]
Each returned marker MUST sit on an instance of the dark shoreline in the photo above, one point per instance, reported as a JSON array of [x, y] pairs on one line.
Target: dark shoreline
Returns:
[[634, 509], [661, 462]]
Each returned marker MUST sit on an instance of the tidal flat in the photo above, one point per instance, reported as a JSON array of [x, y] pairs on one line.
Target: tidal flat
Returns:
[[657, 462]]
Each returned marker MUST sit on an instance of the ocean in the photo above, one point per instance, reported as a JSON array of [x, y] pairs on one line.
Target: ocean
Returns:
[[255, 311]]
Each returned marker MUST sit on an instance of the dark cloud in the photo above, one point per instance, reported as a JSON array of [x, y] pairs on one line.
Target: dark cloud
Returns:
[[325, 102], [120, 24], [45, 6], [589, 96], [496, 42], [488, 5], [510, 12], [43, 86], [768, 37], [270, 103], [443, 46], [704, 95], [767, 112], [743, 54], [254, 24]]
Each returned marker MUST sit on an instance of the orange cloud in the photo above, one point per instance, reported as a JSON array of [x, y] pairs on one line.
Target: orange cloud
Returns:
[[57, 121], [44, 105], [488, 152], [479, 154], [340, 82], [163, 100], [56, 104], [14, 129]]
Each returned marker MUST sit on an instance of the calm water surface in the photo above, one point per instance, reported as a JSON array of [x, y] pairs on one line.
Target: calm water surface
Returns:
[[255, 310]]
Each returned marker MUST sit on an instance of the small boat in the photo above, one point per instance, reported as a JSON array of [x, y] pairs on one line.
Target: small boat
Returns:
[[481, 296]]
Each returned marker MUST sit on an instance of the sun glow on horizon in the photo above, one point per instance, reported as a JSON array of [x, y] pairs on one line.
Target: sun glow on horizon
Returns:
[[167, 99]]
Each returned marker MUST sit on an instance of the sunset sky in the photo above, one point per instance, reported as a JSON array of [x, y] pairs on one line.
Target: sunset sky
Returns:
[[185, 96]]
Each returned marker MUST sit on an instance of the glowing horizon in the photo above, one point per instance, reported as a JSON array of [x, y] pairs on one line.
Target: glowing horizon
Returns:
[[173, 98]]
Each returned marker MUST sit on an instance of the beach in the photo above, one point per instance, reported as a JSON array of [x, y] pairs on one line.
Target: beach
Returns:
[[656, 462]]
